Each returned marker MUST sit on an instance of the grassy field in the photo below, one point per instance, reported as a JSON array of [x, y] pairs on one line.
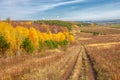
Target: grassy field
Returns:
[[93, 55], [115, 26], [103, 50]]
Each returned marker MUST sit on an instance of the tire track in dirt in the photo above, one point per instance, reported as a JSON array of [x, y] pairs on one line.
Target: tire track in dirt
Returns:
[[71, 67], [91, 71], [81, 68]]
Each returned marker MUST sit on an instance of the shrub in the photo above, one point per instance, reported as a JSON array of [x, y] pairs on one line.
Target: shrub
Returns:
[[51, 44], [83, 24], [95, 33], [4, 45], [27, 45], [41, 45], [63, 43]]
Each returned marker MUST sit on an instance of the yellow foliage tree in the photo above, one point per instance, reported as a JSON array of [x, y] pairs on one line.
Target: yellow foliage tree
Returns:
[[16, 35], [34, 36]]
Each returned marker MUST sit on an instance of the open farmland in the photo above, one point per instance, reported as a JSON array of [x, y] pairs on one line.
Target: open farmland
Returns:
[[60, 51]]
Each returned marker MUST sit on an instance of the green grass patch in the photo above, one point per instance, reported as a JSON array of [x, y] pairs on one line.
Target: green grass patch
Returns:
[[94, 33]]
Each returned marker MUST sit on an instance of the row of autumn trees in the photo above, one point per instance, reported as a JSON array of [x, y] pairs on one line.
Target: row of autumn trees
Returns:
[[18, 40], [56, 22]]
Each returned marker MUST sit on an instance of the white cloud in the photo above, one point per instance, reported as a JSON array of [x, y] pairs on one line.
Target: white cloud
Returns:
[[22, 8], [50, 6], [107, 11], [94, 16], [13, 2]]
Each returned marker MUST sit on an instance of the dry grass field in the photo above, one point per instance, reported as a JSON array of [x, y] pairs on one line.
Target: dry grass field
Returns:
[[104, 51], [90, 57]]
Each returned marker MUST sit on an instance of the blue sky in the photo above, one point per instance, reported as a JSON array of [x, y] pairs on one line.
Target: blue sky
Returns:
[[60, 9]]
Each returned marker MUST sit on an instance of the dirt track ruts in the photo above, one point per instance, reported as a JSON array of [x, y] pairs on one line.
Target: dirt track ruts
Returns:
[[71, 69], [67, 74]]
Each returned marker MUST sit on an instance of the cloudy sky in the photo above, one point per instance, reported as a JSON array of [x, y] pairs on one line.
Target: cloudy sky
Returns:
[[60, 9]]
